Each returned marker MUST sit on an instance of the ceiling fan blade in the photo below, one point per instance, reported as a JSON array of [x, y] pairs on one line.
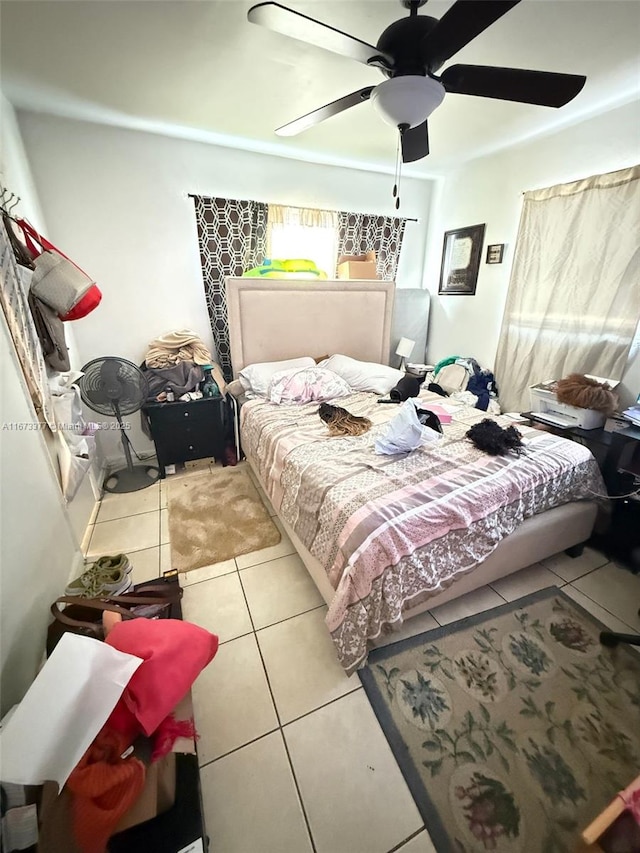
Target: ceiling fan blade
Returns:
[[465, 20], [325, 112], [545, 88], [278, 18], [415, 143]]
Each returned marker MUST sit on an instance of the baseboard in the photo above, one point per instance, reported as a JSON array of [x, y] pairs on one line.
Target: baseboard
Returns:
[[77, 566]]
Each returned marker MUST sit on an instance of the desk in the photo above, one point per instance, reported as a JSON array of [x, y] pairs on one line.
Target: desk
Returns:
[[618, 455]]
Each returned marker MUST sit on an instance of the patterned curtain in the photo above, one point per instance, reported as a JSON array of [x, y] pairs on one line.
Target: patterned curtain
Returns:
[[232, 237], [361, 232]]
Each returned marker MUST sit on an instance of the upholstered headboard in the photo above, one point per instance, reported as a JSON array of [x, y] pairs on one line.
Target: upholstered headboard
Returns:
[[274, 319]]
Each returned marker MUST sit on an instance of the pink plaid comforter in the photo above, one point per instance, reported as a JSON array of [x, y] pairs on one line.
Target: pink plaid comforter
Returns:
[[391, 529]]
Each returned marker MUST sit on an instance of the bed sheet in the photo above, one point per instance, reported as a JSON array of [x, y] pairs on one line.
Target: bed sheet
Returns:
[[390, 528]]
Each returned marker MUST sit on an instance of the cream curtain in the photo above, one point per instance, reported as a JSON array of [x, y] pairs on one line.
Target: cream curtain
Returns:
[[574, 296], [280, 214]]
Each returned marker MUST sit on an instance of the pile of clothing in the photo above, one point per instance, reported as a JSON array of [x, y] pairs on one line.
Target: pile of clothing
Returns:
[[175, 361], [463, 379]]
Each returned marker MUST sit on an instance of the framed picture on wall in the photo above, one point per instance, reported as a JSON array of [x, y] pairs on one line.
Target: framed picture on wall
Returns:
[[461, 260], [495, 253]]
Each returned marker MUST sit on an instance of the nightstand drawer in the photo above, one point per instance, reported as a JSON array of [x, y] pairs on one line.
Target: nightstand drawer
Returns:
[[185, 431], [172, 415]]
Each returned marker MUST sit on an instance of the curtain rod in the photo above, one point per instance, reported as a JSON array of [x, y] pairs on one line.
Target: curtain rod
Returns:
[[297, 207]]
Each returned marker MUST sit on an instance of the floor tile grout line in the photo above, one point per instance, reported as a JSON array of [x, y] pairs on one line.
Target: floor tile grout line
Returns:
[[606, 609], [131, 515], [264, 667], [579, 577], [215, 577], [295, 782], [231, 639], [278, 718], [128, 515], [289, 618], [430, 612], [238, 748], [320, 707], [409, 838], [294, 553]]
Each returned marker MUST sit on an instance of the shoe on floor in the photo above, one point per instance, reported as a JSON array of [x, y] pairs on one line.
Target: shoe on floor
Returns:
[[114, 561], [97, 582]]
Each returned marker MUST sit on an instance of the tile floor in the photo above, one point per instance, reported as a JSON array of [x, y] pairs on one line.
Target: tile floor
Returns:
[[292, 757]]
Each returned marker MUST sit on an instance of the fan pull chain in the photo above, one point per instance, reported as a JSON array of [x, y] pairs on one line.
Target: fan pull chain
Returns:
[[395, 173], [398, 169]]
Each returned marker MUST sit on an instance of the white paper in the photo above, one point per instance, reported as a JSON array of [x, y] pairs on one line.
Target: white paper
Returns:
[[63, 710]]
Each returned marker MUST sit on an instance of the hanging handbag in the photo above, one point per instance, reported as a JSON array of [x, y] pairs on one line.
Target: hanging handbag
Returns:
[[84, 616], [57, 281]]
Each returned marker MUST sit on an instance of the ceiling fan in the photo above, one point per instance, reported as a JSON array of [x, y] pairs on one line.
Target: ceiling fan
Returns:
[[409, 53]]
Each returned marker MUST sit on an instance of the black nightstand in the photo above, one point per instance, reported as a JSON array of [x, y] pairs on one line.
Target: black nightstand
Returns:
[[185, 431]]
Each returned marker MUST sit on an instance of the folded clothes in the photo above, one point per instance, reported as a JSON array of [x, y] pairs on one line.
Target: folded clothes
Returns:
[[182, 345]]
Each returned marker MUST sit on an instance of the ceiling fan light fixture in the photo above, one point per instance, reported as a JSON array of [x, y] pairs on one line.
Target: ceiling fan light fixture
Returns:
[[408, 100]]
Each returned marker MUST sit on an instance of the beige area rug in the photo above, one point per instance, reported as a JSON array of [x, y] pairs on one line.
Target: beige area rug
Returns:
[[216, 516]]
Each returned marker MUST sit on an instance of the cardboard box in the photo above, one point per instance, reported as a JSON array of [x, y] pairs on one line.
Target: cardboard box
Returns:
[[357, 266], [158, 794]]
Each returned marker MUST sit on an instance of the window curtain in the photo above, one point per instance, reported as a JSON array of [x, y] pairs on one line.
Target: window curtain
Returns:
[[360, 232], [232, 239], [574, 297], [301, 232]]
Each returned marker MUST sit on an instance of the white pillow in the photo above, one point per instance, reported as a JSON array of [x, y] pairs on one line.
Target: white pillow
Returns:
[[364, 375], [256, 377]]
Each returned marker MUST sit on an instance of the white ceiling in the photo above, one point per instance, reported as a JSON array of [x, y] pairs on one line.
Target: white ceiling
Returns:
[[200, 70]]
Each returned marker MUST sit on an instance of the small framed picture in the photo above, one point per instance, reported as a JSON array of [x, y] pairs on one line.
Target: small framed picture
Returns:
[[495, 253]]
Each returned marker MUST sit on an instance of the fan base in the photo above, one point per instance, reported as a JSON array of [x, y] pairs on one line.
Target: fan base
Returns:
[[131, 479]]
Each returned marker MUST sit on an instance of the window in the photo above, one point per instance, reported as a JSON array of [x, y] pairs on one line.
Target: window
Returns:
[[298, 232]]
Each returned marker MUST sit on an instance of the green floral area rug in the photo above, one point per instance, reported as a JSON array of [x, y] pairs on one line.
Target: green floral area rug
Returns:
[[513, 728]]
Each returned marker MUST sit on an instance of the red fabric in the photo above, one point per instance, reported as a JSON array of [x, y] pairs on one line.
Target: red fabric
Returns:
[[174, 654], [168, 733], [104, 787]]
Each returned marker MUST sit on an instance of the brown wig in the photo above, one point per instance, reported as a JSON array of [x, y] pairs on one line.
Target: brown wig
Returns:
[[342, 422], [578, 390]]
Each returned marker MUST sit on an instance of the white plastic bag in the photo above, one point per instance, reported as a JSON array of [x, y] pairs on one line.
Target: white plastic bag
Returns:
[[405, 432], [75, 447]]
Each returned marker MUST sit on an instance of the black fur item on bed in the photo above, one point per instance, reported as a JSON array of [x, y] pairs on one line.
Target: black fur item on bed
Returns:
[[493, 439]]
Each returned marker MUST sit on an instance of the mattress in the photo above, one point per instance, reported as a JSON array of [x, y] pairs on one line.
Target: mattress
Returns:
[[389, 529]]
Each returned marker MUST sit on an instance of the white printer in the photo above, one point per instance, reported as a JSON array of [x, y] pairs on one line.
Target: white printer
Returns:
[[546, 406]]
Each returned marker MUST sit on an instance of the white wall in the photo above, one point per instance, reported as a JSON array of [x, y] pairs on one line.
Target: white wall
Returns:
[[116, 201], [38, 549], [490, 190]]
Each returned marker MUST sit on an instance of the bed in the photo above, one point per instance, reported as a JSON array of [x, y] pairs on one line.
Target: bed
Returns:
[[387, 537]]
